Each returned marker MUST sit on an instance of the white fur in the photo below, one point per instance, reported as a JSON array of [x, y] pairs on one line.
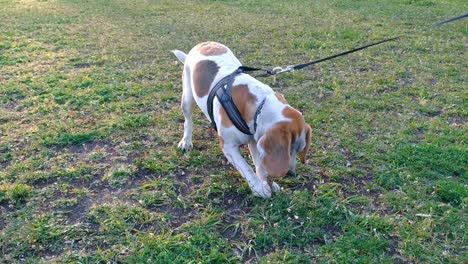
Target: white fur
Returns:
[[233, 138]]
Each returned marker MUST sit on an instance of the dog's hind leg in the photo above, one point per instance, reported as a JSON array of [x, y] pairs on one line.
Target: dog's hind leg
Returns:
[[187, 105]]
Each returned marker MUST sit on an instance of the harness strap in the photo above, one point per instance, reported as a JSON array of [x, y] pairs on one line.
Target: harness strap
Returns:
[[257, 113], [223, 91]]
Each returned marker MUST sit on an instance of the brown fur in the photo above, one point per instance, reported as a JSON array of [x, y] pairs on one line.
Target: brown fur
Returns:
[[297, 121], [211, 48], [303, 153], [245, 103], [281, 98], [225, 121], [296, 126], [221, 142], [203, 75], [277, 145]]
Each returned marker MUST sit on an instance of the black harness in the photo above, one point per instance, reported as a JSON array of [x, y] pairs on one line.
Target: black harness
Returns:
[[223, 91]]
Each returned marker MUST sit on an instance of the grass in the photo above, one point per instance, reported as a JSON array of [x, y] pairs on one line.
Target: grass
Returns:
[[90, 120]]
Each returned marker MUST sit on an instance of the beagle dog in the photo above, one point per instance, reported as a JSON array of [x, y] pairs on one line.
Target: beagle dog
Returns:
[[278, 131]]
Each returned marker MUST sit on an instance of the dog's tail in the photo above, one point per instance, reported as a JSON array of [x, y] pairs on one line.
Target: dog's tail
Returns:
[[180, 55]]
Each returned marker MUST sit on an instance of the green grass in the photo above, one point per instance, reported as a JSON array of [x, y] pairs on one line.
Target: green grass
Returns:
[[90, 118]]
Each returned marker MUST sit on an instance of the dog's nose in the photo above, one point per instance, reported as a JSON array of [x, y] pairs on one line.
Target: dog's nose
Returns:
[[291, 173]]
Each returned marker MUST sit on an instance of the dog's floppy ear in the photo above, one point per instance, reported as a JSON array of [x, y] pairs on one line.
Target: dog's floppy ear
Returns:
[[303, 153], [276, 144]]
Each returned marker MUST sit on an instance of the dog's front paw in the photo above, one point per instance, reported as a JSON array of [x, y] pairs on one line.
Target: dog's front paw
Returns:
[[275, 187], [185, 144], [262, 190]]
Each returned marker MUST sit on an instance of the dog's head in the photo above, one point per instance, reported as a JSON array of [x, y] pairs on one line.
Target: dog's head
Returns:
[[280, 144]]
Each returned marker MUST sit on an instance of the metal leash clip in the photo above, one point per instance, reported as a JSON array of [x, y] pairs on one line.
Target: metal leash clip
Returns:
[[278, 70]]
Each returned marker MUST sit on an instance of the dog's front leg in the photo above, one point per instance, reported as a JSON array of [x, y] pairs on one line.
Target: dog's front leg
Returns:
[[258, 187], [261, 173]]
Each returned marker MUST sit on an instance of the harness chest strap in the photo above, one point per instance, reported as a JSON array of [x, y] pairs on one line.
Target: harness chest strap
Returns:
[[223, 91]]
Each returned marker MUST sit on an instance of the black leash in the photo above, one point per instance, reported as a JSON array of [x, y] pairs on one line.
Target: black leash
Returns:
[[278, 70], [223, 89], [300, 66], [449, 20]]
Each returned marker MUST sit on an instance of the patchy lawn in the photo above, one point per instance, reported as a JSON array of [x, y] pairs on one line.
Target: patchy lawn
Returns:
[[90, 120]]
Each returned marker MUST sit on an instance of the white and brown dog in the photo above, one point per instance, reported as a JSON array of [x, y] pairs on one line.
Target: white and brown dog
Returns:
[[280, 130]]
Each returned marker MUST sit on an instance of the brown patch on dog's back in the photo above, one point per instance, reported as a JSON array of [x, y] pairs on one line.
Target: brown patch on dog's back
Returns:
[[211, 48], [203, 75]]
